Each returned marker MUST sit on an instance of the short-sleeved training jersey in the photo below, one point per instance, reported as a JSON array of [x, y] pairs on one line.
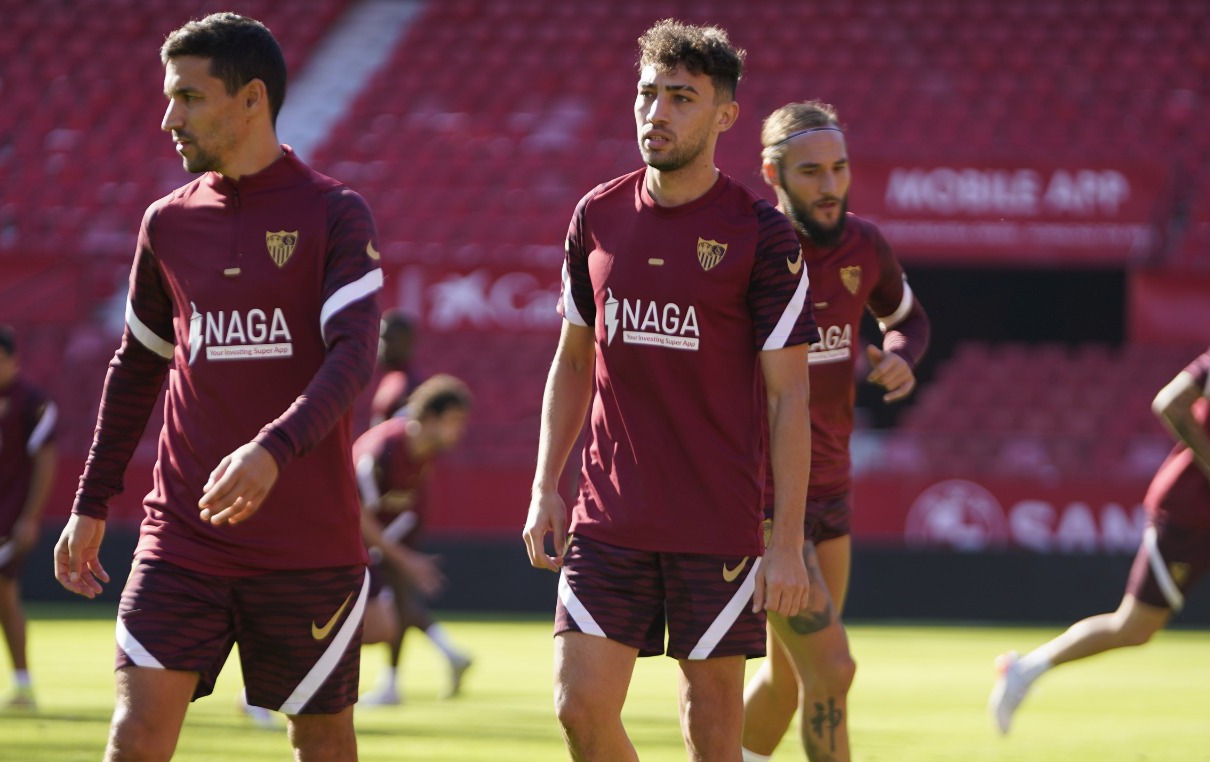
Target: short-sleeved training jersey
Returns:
[[682, 301], [27, 422], [260, 296], [1180, 491]]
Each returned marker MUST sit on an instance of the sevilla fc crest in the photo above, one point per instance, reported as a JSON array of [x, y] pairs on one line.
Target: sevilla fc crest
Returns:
[[710, 253], [281, 245], [851, 278]]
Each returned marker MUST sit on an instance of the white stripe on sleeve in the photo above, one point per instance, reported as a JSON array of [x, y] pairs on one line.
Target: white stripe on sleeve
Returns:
[[570, 311], [895, 318], [41, 432], [346, 295], [366, 483], [145, 335], [785, 325], [719, 627]]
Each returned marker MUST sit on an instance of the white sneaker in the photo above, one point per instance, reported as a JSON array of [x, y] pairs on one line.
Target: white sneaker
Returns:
[[383, 694], [459, 664], [1009, 690], [259, 715], [21, 698]]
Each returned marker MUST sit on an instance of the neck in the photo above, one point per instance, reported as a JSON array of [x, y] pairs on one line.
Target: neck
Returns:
[[683, 185], [254, 156], [420, 445]]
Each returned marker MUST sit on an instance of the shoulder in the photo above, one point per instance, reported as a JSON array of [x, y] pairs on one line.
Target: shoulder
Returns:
[[174, 201], [612, 190], [867, 231]]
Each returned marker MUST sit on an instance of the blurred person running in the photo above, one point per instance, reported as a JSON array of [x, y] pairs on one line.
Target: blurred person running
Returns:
[[1174, 554], [27, 468]]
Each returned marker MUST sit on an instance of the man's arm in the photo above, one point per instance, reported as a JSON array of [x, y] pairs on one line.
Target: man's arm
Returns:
[[1173, 405], [564, 405], [782, 585]]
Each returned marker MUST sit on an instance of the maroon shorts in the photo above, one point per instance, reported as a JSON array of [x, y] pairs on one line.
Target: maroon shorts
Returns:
[[628, 596], [1170, 560], [826, 518], [299, 631]]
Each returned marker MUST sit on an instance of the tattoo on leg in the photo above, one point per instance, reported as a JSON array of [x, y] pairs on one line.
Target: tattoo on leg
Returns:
[[807, 621], [827, 719]]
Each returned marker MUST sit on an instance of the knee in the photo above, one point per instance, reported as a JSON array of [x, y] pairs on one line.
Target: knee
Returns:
[[134, 739], [836, 670], [574, 711]]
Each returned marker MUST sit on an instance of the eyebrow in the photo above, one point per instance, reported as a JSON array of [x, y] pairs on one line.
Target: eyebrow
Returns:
[[182, 90], [643, 85], [817, 164]]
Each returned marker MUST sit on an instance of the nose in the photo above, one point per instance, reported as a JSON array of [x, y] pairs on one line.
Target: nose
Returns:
[[656, 113], [172, 118], [827, 183]]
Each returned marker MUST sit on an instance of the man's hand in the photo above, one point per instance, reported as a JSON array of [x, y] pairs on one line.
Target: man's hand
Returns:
[[547, 515], [76, 564], [782, 583], [891, 372], [238, 486]]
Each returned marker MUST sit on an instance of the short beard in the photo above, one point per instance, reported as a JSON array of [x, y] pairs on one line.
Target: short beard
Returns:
[[823, 237], [673, 161], [201, 162]]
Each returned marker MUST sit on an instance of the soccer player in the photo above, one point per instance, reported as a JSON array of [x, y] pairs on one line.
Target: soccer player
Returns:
[[256, 285], [853, 270], [27, 467], [1174, 554], [395, 347], [680, 287], [393, 461]]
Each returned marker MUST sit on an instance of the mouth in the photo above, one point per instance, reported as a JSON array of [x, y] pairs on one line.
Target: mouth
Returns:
[[656, 139], [827, 206]]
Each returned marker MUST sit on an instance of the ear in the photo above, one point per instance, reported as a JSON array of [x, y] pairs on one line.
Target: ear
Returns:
[[727, 114], [768, 171], [255, 95]]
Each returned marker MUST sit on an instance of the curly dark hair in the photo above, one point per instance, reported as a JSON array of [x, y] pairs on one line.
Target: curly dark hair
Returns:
[[700, 49], [240, 50]]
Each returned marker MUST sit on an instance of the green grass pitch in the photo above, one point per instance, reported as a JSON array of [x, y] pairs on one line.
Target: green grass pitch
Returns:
[[919, 696]]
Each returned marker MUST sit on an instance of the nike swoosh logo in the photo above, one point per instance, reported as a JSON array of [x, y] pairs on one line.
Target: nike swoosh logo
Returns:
[[729, 575], [796, 265], [371, 252], [319, 633]]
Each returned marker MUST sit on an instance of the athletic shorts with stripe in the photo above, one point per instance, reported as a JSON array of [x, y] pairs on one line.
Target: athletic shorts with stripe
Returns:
[[825, 518], [1171, 559], [299, 631], [630, 596]]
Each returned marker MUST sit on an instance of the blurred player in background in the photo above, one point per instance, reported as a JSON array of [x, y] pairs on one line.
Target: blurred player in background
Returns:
[[393, 461], [679, 287], [852, 270], [1174, 555], [396, 345], [27, 468], [256, 285]]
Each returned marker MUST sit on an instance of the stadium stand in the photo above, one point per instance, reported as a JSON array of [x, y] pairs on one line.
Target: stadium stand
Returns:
[[492, 117]]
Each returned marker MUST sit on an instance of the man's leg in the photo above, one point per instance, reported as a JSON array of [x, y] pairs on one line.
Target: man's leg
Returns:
[[1132, 624], [323, 737], [12, 621], [809, 665], [712, 709], [148, 713], [592, 675]]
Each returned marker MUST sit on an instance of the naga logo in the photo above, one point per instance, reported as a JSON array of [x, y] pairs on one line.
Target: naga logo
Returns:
[[835, 345], [232, 335], [958, 514], [662, 325]]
